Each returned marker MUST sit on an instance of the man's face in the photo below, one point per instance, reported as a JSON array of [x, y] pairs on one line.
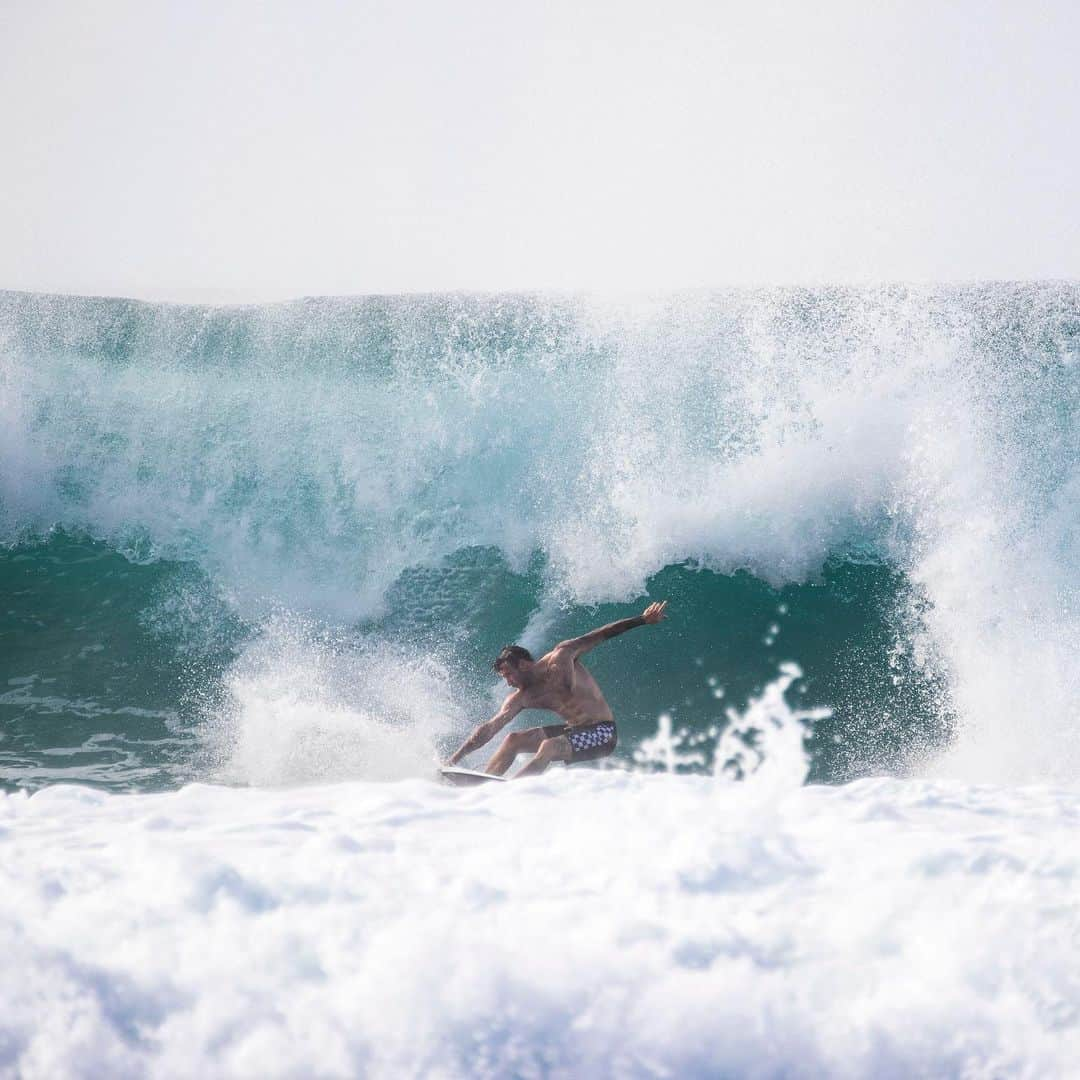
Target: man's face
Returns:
[[512, 674]]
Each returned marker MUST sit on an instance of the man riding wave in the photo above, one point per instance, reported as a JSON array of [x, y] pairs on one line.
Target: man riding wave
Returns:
[[559, 682]]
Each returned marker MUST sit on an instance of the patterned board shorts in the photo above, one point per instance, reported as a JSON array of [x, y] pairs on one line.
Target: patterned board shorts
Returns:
[[588, 741]]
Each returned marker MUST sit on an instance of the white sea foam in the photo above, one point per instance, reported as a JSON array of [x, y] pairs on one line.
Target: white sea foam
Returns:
[[303, 706], [586, 923]]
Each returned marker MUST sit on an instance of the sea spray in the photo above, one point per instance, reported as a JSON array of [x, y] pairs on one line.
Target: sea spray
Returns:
[[765, 741], [304, 705]]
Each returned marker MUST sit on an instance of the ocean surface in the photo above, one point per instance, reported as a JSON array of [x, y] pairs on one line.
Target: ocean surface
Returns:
[[255, 563]]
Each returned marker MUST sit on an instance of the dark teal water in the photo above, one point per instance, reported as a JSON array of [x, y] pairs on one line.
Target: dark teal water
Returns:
[[107, 683]]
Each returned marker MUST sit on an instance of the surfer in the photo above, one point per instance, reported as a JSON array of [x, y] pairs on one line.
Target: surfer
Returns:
[[558, 682]]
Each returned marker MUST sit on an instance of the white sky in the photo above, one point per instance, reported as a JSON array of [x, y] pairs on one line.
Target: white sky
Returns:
[[256, 150]]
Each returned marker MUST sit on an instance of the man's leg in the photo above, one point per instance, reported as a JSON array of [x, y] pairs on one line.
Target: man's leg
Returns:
[[517, 742], [557, 749]]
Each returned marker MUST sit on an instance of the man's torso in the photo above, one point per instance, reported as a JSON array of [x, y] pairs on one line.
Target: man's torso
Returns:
[[566, 688]]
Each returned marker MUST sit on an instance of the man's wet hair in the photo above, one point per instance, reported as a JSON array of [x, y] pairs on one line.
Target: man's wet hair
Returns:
[[511, 654]]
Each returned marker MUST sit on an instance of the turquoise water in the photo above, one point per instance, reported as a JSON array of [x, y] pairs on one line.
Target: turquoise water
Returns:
[[280, 543]]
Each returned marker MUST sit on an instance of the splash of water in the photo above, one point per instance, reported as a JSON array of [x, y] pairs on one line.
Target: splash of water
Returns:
[[765, 743], [302, 705]]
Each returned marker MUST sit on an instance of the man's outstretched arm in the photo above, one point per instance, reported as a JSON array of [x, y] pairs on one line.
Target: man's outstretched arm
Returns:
[[483, 733], [654, 613]]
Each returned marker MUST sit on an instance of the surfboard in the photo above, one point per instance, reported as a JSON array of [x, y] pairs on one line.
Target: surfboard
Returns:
[[467, 777]]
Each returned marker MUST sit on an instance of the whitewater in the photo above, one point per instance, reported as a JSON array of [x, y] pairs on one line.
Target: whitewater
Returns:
[[254, 565]]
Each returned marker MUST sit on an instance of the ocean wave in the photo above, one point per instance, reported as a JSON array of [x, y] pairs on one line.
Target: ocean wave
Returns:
[[331, 459], [151, 659]]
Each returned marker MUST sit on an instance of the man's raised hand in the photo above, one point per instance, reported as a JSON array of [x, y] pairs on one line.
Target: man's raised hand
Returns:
[[654, 613]]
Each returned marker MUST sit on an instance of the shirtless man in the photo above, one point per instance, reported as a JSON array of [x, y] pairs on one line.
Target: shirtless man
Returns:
[[559, 682]]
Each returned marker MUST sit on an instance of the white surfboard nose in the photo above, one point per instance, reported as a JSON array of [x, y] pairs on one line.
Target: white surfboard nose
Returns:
[[467, 777]]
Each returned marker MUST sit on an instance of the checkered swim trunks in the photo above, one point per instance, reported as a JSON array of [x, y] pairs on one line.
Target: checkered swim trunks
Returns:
[[588, 741]]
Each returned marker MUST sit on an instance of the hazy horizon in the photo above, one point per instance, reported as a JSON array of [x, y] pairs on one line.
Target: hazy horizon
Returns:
[[261, 152]]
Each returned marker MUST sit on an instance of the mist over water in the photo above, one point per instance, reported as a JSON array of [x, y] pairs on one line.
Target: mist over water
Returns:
[[280, 544]]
